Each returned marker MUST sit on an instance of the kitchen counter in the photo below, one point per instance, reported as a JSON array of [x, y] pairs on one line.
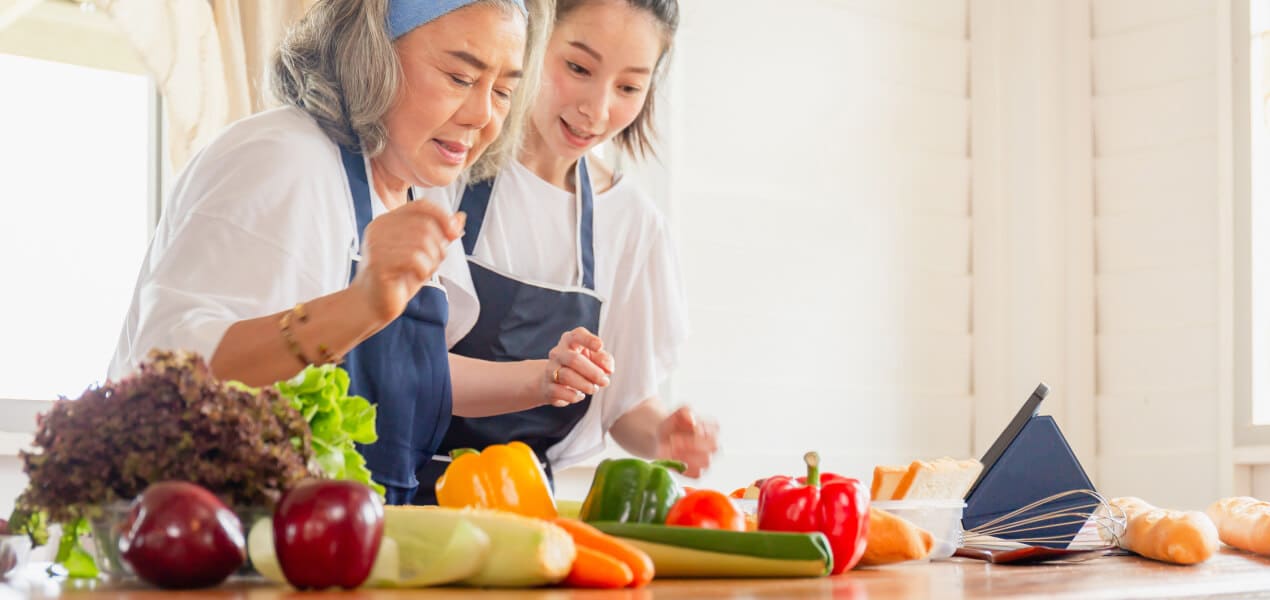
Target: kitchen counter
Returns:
[[1230, 573]]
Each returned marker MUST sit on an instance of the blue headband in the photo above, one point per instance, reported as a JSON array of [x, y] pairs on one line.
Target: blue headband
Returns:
[[405, 15]]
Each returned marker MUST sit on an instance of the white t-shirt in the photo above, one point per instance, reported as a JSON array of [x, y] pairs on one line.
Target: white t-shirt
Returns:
[[530, 232], [261, 219]]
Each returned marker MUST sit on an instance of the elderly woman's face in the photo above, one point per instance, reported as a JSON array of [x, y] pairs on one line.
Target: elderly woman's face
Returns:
[[460, 71]]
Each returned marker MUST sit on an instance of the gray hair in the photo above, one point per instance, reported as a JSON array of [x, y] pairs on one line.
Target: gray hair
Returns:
[[338, 65]]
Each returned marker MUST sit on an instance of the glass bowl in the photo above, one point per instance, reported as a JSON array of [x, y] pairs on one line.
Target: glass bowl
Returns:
[[14, 552], [942, 518], [108, 526]]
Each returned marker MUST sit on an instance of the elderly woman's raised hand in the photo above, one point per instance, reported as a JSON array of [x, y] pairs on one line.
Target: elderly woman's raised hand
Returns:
[[401, 251]]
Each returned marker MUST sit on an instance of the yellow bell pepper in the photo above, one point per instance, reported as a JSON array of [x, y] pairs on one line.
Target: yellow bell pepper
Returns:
[[503, 476]]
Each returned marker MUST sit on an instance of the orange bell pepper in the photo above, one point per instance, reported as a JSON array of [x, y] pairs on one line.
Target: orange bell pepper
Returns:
[[503, 476], [708, 509]]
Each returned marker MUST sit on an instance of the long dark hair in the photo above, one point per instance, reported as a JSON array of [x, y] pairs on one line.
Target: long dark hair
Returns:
[[637, 138]]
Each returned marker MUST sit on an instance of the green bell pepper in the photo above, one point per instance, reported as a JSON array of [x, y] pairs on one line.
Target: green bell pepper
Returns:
[[631, 490]]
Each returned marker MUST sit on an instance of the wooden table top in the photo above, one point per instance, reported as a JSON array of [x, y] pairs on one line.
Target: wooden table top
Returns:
[[1230, 573]]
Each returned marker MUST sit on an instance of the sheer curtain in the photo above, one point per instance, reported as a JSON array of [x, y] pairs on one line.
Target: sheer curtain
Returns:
[[210, 59], [10, 10], [1261, 60]]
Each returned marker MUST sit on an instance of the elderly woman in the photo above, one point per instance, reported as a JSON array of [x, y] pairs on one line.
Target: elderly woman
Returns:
[[292, 238]]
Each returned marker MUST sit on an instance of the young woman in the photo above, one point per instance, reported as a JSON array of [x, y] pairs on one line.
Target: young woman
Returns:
[[559, 242]]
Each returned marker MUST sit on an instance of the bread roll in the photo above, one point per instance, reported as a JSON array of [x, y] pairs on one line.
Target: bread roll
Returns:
[[892, 539], [1243, 522], [1173, 536]]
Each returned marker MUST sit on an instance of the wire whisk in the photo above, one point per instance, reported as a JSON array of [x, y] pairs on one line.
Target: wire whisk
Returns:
[[1098, 524]]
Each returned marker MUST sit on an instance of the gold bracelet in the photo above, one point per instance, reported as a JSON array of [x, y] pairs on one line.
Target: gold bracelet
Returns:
[[300, 313], [284, 324], [324, 352], [327, 356]]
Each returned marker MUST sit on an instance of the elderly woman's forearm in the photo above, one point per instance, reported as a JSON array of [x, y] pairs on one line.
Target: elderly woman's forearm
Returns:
[[256, 351]]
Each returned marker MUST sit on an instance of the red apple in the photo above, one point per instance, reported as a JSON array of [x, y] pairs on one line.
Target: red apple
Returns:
[[178, 535], [327, 533]]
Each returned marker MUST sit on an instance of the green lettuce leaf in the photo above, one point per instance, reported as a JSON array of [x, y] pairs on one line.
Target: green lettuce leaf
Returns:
[[72, 555], [337, 420], [32, 523], [359, 419]]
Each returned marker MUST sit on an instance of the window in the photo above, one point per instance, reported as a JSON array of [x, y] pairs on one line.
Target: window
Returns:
[[77, 203]]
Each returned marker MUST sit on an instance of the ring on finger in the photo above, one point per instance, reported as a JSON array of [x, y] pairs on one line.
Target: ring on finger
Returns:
[[555, 376]]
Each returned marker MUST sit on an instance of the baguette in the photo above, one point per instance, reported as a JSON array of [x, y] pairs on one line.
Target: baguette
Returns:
[[892, 539], [1172, 536], [1243, 522]]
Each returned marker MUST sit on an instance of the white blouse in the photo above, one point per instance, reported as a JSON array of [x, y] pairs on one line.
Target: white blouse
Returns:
[[261, 219], [530, 232]]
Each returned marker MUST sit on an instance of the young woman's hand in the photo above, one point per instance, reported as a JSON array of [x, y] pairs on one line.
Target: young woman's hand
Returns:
[[401, 251], [577, 367], [689, 438]]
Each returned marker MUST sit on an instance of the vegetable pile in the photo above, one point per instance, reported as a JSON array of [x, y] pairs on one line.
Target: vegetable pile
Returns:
[[171, 420]]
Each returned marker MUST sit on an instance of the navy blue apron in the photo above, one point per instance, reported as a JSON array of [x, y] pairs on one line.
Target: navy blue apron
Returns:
[[519, 320], [404, 369]]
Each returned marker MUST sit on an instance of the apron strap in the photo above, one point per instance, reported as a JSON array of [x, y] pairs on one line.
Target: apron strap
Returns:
[[359, 186], [586, 240], [475, 203]]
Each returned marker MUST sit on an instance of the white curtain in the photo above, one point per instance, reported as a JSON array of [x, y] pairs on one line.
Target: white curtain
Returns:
[[1260, 20], [11, 10], [210, 59]]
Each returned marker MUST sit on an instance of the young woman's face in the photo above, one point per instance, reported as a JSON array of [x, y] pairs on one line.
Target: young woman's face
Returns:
[[459, 72], [598, 66]]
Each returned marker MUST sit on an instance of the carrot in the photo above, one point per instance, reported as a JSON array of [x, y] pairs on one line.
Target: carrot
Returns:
[[595, 569], [586, 536]]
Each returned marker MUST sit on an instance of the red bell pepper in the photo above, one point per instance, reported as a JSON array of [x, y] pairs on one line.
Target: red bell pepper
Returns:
[[834, 505]]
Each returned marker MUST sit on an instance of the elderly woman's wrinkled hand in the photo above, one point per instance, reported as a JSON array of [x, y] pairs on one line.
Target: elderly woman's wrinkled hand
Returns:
[[403, 250], [576, 367]]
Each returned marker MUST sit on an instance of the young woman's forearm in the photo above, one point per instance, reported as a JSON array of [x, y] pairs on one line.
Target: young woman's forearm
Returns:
[[636, 431], [484, 388], [255, 352]]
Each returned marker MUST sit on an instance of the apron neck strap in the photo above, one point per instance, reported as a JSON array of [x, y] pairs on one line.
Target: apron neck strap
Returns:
[[475, 203], [359, 186], [586, 214], [476, 199]]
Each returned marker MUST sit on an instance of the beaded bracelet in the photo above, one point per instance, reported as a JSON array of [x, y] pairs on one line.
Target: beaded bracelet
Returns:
[[284, 324], [324, 353]]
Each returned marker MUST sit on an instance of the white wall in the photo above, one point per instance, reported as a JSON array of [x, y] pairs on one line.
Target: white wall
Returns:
[[1086, 152], [1157, 162], [818, 181], [1032, 210]]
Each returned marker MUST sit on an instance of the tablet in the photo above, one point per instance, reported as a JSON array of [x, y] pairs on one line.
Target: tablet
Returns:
[[1029, 409]]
